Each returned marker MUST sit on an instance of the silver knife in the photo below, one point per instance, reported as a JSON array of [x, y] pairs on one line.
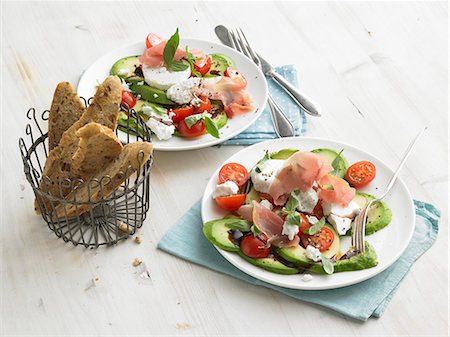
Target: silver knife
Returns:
[[301, 99]]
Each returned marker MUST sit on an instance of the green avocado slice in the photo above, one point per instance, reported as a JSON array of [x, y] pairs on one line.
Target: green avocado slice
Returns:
[[270, 264], [380, 215]]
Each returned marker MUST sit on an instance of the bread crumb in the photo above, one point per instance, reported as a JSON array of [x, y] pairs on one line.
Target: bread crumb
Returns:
[[183, 326], [136, 262], [138, 240], [125, 228]]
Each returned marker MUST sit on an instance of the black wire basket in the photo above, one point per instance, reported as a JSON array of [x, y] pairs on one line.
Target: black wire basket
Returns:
[[113, 216]]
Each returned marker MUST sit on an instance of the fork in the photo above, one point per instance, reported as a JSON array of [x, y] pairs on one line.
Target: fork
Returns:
[[360, 221], [282, 125]]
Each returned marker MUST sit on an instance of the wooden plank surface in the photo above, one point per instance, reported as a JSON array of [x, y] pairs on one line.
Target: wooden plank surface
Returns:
[[380, 72]]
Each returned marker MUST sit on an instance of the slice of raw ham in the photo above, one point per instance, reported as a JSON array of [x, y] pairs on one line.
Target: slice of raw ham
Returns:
[[341, 193], [300, 171], [246, 212], [271, 225], [153, 57]]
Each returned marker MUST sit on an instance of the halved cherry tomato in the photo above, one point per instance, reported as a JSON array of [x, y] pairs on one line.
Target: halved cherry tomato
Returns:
[[203, 65], [304, 224], [152, 40], [195, 130], [234, 73], [234, 172], [128, 99], [322, 240], [181, 113], [360, 174], [254, 247], [203, 106], [231, 202]]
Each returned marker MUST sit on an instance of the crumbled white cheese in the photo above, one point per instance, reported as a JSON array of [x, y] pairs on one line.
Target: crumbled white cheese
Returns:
[[350, 211], [150, 111], [313, 253], [125, 85], [183, 92], [227, 188], [266, 203], [123, 71], [161, 130], [289, 230], [267, 173], [312, 219], [307, 200], [342, 225], [306, 277]]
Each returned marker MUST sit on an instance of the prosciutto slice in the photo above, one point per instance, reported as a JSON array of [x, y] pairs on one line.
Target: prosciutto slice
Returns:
[[300, 171], [271, 225], [340, 194], [153, 57]]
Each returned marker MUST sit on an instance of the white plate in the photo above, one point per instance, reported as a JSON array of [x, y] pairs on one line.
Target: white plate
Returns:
[[257, 89], [389, 242]]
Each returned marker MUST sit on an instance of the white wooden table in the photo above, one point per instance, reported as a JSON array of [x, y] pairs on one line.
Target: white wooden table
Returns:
[[380, 72]]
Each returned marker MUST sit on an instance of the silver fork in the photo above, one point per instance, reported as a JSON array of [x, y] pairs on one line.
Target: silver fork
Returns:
[[282, 124], [360, 221]]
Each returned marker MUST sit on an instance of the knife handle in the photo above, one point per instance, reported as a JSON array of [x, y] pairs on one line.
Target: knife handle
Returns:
[[301, 99]]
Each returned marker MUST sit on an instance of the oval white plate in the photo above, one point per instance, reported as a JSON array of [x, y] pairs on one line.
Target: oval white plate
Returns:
[[389, 242], [257, 89]]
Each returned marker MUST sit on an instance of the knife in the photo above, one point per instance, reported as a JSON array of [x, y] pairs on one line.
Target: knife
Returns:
[[301, 99]]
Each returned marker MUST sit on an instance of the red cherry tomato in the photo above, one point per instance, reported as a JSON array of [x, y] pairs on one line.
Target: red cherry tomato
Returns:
[[195, 130], [203, 65], [203, 106], [128, 99], [231, 202], [254, 247], [181, 113], [360, 174], [234, 172], [322, 240], [234, 73], [152, 40]]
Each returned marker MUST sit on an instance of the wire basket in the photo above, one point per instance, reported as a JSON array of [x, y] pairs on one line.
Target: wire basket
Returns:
[[115, 214]]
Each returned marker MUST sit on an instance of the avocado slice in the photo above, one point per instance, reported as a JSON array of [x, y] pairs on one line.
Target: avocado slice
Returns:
[[217, 232], [270, 264], [340, 165], [282, 154], [134, 79], [297, 254], [125, 67], [219, 63], [379, 216], [358, 262], [151, 94]]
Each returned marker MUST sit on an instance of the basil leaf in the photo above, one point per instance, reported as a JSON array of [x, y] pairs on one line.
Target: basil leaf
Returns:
[[335, 163], [178, 66], [292, 203], [255, 230], [293, 219], [315, 228], [211, 126], [262, 160], [191, 62], [192, 119], [327, 265], [238, 224], [169, 53]]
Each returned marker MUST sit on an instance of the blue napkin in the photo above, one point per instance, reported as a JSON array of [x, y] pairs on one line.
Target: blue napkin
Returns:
[[359, 301], [262, 129]]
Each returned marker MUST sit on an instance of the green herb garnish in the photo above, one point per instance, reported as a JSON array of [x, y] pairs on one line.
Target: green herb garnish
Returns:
[[211, 126], [315, 228], [191, 61], [335, 163], [255, 230], [327, 265], [169, 53]]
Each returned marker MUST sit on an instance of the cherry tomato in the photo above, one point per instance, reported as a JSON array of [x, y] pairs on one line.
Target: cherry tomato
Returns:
[[204, 105], [128, 99], [231, 202], [254, 247], [304, 224], [234, 172], [360, 174], [322, 240], [181, 113], [203, 65], [234, 73], [195, 130], [152, 40]]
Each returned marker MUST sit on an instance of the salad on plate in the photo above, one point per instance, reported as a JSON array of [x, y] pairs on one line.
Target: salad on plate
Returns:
[[288, 213], [180, 91]]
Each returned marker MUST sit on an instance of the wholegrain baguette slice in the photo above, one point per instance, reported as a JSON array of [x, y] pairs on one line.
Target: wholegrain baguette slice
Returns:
[[66, 109], [98, 147], [104, 110], [130, 160]]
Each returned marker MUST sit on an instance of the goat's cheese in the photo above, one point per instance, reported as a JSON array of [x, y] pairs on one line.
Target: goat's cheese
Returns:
[[183, 91], [350, 211], [161, 130], [123, 71], [313, 253], [263, 175], [312, 219], [227, 188], [289, 230], [342, 225], [307, 200], [162, 78], [306, 277]]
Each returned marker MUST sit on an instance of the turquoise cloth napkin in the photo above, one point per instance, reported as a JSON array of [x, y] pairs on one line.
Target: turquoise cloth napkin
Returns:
[[359, 301], [262, 129]]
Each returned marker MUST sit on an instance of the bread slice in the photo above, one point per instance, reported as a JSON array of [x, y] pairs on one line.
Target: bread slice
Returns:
[[97, 148], [104, 109], [130, 160], [65, 110]]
